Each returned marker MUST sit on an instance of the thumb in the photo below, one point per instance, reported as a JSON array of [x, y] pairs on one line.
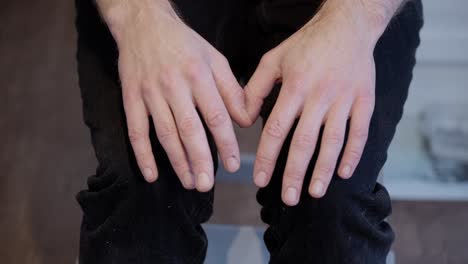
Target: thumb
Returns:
[[260, 84]]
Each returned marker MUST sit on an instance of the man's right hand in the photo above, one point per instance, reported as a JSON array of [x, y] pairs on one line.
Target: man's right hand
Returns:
[[168, 71]]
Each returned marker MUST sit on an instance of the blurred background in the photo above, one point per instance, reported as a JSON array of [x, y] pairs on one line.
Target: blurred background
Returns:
[[46, 154]]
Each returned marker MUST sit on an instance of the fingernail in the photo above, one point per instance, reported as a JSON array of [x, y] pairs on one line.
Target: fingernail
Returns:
[[291, 196], [317, 188], [346, 171], [203, 181], [188, 179], [232, 164], [148, 174], [261, 179]]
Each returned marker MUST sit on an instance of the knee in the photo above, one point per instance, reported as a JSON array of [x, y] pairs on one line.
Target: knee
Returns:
[[107, 190], [357, 212]]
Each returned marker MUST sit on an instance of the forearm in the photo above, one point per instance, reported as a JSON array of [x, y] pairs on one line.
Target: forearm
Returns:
[[128, 18], [370, 17], [118, 12]]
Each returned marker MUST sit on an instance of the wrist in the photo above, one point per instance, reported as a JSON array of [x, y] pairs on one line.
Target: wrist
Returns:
[[378, 13], [122, 15], [367, 19]]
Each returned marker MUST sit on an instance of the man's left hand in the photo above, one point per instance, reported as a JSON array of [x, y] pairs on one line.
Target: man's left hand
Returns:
[[328, 75]]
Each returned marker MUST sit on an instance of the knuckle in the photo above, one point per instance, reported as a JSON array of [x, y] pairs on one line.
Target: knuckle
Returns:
[[179, 164], [188, 126], [194, 70], [274, 129], [216, 118], [238, 92], [252, 94], [353, 154], [360, 133], [235, 94], [330, 87], [367, 95], [146, 91], [330, 81], [136, 135], [295, 175], [324, 169], [143, 159], [296, 83], [129, 81], [264, 160], [201, 163], [303, 142], [167, 77], [334, 137], [129, 89], [228, 147], [369, 100], [166, 130], [146, 85]]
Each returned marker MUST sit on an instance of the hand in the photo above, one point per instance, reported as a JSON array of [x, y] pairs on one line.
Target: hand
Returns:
[[168, 71], [328, 74]]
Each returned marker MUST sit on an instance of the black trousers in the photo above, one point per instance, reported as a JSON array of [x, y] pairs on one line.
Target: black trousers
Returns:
[[127, 220]]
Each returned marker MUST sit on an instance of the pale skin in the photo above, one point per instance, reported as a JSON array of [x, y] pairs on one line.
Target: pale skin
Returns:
[[328, 75]]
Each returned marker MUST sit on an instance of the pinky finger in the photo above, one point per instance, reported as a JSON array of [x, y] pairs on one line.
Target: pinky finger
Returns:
[[357, 137], [138, 133]]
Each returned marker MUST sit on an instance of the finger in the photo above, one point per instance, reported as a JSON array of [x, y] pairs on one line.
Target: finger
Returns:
[[261, 83], [166, 131], [231, 92], [217, 119], [193, 136], [138, 133], [332, 142], [273, 135], [302, 148], [359, 128]]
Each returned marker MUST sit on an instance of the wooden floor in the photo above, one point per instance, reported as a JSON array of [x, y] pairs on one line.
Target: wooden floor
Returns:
[[45, 154]]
